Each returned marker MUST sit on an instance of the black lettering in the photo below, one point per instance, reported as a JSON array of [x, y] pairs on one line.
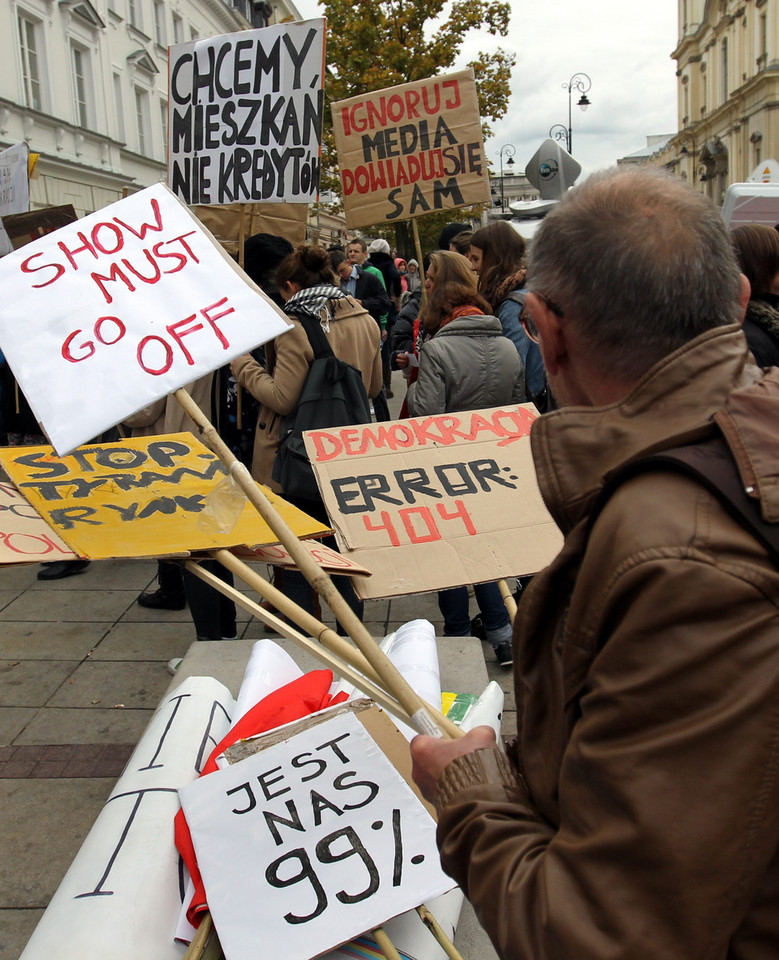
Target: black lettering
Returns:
[[299, 763], [294, 822], [340, 784], [265, 783], [415, 483]]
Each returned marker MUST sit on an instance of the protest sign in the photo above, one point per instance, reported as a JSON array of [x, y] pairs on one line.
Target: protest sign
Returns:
[[435, 502], [245, 115], [145, 497], [106, 315], [23, 228], [14, 187], [25, 537], [328, 559], [310, 842], [229, 222], [407, 150]]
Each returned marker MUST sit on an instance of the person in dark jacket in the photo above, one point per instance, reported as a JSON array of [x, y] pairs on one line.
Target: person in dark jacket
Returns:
[[757, 251]]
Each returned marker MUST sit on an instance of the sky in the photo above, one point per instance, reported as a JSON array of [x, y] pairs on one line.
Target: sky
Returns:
[[623, 47]]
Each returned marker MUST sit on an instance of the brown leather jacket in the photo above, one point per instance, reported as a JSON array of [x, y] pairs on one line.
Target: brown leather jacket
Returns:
[[353, 337], [645, 821]]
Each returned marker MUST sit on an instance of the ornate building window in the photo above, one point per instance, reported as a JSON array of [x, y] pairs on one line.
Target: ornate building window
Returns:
[[30, 44]]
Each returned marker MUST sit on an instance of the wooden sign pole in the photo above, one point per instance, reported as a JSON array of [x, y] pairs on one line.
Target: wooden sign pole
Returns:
[[392, 680]]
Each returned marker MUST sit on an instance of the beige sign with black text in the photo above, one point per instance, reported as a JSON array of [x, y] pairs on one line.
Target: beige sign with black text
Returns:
[[434, 502], [408, 150]]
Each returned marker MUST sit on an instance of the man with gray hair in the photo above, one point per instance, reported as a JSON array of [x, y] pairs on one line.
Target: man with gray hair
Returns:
[[637, 814]]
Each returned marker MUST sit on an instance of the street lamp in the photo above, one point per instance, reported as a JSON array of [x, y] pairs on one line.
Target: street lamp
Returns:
[[691, 139], [581, 83], [510, 150]]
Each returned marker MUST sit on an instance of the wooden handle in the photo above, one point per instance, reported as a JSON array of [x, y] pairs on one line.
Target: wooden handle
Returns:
[[392, 680]]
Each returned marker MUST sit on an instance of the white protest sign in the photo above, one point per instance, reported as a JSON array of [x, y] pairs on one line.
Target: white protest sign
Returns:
[[14, 187], [245, 115], [110, 313], [310, 842]]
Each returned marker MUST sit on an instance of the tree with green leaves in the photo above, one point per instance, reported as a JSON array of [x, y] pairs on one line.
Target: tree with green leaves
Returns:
[[372, 44]]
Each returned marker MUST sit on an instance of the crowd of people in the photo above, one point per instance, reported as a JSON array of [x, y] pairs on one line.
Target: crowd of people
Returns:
[[636, 813]]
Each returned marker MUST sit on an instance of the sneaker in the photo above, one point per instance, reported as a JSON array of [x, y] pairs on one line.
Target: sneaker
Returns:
[[477, 627], [173, 665], [162, 600], [504, 654], [59, 569]]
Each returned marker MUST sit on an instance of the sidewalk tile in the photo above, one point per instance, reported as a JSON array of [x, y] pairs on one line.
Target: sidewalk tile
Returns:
[[73, 605], [145, 641], [16, 927], [105, 684], [31, 683], [51, 725], [13, 721], [45, 640], [72, 805]]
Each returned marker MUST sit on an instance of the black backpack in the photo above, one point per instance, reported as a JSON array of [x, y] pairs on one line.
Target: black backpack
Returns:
[[334, 395]]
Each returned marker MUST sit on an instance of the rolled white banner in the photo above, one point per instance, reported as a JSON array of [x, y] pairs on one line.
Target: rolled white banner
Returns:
[[122, 894]]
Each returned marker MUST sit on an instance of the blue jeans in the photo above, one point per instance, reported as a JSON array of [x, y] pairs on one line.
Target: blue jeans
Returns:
[[453, 604]]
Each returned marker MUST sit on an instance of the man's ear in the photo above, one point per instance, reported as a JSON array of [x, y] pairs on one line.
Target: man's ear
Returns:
[[744, 295], [550, 332]]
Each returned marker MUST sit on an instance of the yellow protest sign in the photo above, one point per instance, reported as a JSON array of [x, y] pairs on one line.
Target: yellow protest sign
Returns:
[[146, 497]]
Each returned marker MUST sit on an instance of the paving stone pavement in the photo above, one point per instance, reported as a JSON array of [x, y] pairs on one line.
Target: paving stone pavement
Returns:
[[82, 668]]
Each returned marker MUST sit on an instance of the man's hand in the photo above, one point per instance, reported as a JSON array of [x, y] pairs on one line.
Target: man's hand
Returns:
[[430, 755]]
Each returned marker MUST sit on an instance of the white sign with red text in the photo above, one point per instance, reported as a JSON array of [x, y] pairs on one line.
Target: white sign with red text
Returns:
[[110, 313]]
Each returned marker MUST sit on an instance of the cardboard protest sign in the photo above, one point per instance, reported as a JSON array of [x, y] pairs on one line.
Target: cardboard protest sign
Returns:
[[329, 560], [435, 502], [25, 537], [310, 842], [14, 187], [225, 223], [245, 115], [23, 228], [407, 150], [107, 315], [145, 497]]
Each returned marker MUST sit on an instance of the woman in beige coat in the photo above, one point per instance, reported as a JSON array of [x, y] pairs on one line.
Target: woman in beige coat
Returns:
[[305, 282]]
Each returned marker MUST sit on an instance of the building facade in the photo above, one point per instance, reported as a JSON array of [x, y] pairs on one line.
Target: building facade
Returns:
[[728, 92], [86, 84]]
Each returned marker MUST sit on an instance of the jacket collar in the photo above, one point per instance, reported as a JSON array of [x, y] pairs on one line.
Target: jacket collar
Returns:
[[673, 403]]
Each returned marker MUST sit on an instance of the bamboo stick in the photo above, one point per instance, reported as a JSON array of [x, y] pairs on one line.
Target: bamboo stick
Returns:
[[508, 599], [420, 266], [198, 942], [384, 943], [392, 680], [439, 933], [329, 659], [337, 645]]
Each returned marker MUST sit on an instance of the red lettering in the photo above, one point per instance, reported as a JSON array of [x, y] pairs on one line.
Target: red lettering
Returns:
[[212, 319], [331, 558], [118, 238], [162, 255], [145, 227], [85, 245], [386, 524], [29, 545], [436, 103], [156, 273], [87, 345], [396, 108], [57, 267], [407, 516], [114, 274], [455, 100], [99, 330], [460, 512], [167, 349], [327, 445], [181, 325]]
